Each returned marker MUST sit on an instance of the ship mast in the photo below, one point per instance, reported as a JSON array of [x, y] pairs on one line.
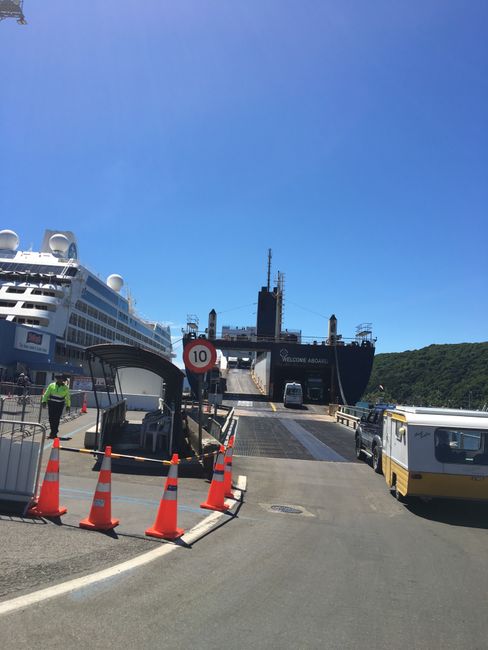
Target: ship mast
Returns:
[[269, 268]]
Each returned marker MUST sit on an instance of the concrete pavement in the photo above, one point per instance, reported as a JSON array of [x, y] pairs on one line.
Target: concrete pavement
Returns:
[[39, 552]]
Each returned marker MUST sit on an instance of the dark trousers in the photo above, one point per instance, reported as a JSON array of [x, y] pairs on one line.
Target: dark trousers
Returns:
[[55, 410]]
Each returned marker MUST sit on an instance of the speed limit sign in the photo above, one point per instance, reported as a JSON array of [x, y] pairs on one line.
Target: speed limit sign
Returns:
[[199, 356]]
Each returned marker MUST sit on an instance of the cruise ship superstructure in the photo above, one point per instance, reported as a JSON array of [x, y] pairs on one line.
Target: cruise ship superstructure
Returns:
[[52, 308]]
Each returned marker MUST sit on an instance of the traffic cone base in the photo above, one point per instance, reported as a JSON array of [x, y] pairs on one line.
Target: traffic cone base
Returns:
[[209, 506], [109, 525], [35, 511], [161, 534]]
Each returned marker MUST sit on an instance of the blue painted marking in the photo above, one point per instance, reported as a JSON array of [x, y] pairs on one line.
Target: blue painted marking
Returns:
[[72, 492]]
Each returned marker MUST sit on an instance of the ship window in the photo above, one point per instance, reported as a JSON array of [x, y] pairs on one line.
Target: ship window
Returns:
[[99, 303], [38, 292], [7, 303], [102, 289], [15, 290], [48, 269], [81, 306]]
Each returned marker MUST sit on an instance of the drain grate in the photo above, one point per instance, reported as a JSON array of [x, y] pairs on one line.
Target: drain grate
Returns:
[[288, 509]]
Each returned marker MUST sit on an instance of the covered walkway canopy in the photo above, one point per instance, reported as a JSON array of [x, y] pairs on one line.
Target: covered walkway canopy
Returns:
[[129, 356]]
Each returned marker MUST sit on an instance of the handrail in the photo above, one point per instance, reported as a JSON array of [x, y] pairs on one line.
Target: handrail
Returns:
[[347, 418]]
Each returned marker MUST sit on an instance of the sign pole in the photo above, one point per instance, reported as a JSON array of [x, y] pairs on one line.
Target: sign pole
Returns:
[[200, 405], [199, 357]]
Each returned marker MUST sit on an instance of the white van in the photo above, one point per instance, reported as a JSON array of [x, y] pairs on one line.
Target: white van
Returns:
[[293, 395]]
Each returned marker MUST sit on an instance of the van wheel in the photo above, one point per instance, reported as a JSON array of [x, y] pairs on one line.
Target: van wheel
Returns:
[[398, 496], [377, 460], [359, 449]]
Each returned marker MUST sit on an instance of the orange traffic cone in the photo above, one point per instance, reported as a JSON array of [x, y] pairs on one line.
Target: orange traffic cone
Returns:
[[100, 517], [83, 408], [215, 498], [228, 469], [47, 504], [165, 525]]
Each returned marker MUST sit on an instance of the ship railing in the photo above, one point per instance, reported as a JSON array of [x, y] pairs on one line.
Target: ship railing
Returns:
[[290, 337]]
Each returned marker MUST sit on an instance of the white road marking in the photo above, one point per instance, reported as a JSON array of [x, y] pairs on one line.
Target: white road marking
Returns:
[[192, 536]]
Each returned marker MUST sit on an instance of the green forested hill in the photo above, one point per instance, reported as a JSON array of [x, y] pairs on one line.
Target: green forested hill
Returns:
[[438, 375]]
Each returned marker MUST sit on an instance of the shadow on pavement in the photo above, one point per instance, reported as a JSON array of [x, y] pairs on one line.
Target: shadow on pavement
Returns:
[[469, 514]]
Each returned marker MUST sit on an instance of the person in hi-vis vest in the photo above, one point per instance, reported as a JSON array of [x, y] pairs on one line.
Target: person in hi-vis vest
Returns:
[[56, 396]]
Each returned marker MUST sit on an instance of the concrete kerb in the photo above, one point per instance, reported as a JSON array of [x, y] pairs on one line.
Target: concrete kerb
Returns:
[[198, 532], [257, 383]]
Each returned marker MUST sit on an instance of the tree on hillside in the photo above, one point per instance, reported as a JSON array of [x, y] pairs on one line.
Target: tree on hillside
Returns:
[[453, 376]]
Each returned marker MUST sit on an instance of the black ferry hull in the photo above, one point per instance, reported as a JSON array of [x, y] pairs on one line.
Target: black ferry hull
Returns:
[[328, 374]]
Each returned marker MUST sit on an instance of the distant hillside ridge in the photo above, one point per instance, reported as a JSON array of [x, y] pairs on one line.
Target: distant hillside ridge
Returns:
[[453, 376]]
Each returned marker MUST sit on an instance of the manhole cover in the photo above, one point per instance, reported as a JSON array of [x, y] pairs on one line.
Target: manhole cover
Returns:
[[288, 509]]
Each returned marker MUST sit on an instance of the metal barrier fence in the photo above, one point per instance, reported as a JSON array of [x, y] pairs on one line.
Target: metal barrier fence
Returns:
[[221, 431], [20, 460], [27, 407], [350, 415], [358, 411]]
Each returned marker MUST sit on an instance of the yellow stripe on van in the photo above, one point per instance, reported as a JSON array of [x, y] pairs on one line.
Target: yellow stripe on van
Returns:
[[396, 416], [434, 484]]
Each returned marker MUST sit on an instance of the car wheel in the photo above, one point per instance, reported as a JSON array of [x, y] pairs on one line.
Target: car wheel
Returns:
[[377, 460], [359, 449]]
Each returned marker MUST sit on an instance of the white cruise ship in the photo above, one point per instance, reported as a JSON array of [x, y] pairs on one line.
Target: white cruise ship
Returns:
[[52, 308]]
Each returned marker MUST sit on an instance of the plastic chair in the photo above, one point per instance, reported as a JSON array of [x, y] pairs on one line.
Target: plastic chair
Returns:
[[149, 420], [158, 429]]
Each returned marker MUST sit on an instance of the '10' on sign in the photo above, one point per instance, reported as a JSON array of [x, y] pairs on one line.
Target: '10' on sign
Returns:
[[199, 356]]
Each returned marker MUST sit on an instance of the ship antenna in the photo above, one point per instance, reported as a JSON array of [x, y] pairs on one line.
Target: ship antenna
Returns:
[[269, 268]]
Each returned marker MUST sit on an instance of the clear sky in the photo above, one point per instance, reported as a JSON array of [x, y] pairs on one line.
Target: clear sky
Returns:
[[180, 140]]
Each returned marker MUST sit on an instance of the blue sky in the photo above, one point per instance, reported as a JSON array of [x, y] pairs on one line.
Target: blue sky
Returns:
[[181, 140]]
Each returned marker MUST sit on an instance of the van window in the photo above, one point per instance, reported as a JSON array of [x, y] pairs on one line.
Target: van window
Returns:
[[466, 446], [293, 391]]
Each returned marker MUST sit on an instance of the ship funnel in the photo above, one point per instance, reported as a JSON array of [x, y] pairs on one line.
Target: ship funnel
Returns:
[[332, 330], [9, 241], [115, 282], [212, 325], [59, 245]]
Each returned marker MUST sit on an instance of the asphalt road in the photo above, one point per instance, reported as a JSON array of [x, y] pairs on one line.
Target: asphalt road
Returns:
[[352, 568]]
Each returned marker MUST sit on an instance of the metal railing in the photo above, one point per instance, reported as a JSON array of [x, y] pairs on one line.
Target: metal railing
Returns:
[[218, 430], [28, 407], [109, 421], [350, 415], [20, 460]]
